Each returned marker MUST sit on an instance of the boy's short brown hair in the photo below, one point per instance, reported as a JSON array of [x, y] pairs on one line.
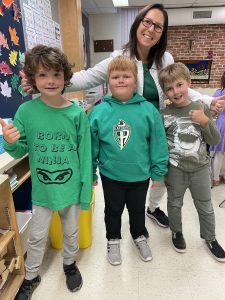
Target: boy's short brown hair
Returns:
[[48, 58], [173, 72], [123, 63]]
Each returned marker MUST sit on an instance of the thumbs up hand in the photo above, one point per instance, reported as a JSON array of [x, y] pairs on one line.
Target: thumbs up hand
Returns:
[[198, 116], [10, 132]]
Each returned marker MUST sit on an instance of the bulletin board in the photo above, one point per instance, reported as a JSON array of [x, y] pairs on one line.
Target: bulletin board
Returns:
[[12, 50]]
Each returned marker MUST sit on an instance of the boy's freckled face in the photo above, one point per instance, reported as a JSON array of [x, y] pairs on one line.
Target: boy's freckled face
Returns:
[[177, 91], [122, 84], [49, 82]]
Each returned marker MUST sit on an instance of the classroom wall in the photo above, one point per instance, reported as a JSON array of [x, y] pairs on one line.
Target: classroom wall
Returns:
[[104, 27], [204, 38]]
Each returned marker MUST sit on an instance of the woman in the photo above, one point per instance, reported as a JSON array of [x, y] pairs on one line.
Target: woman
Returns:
[[147, 46], [219, 148]]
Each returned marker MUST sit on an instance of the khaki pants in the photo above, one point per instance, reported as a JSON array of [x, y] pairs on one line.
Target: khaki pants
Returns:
[[199, 184]]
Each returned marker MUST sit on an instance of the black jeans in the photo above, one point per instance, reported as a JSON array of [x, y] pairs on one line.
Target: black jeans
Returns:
[[119, 193]]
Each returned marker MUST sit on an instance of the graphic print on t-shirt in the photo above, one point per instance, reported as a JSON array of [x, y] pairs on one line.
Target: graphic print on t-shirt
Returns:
[[184, 138], [53, 150], [56, 177], [121, 133]]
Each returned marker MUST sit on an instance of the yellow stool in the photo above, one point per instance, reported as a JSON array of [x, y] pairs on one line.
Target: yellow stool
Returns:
[[84, 224]]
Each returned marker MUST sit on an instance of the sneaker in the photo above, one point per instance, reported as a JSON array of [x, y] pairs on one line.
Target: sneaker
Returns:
[[113, 249], [27, 288], [178, 242], [216, 250], [159, 216], [73, 277], [143, 248]]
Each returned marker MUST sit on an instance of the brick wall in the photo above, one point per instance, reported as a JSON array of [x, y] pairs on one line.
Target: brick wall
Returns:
[[204, 38]]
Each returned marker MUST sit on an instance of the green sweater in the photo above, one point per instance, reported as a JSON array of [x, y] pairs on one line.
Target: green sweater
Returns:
[[128, 140], [59, 146], [186, 139]]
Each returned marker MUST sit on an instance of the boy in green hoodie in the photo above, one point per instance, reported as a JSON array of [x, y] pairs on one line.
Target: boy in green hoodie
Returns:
[[129, 146], [56, 135]]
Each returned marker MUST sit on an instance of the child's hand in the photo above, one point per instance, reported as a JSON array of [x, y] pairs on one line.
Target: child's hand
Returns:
[[155, 183], [198, 116], [95, 182], [10, 132]]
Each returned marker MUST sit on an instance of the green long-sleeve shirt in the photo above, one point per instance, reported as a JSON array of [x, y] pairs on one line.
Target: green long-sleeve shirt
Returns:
[[59, 146]]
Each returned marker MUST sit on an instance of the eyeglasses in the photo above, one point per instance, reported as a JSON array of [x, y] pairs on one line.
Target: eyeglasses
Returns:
[[148, 23]]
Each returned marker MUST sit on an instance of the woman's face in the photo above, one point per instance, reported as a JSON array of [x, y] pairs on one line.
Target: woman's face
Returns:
[[148, 37]]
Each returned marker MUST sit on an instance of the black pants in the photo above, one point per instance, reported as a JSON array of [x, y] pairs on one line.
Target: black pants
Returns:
[[119, 193]]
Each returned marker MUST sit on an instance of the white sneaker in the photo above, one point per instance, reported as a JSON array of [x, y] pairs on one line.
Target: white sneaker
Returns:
[[113, 249], [143, 248]]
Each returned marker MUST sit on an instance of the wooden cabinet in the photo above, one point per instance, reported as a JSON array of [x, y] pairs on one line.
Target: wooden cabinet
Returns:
[[10, 242]]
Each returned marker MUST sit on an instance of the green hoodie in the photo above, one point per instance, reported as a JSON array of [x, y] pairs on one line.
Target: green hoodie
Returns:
[[128, 140], [59, 145]]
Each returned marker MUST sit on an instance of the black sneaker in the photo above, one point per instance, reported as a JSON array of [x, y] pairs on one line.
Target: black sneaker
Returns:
[[159, 216], [73, 277], [178, 242], [27, 288], [216, 250]]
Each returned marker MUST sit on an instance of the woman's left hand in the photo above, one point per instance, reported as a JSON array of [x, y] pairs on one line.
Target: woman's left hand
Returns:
[[218, 104], [155, 183]]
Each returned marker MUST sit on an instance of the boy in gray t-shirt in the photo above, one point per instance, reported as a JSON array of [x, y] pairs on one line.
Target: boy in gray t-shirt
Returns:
[[189, 127]]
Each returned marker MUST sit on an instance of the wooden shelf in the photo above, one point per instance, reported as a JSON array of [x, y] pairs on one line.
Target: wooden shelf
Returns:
[[21, 181], [5, 239], [11, 287], [10, 240]]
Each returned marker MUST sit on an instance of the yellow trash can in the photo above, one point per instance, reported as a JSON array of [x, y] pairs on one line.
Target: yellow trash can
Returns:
[[84, 224]]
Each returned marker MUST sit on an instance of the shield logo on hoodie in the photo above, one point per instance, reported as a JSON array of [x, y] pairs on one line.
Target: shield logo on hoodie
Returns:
[[121, 133]]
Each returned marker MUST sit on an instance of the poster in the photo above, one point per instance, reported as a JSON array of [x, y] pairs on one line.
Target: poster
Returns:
[[39, 26], [199, 70]]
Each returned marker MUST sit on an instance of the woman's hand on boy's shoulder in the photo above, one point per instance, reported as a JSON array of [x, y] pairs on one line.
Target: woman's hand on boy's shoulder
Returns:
[[155, 183], [26, 87], [218, 104]]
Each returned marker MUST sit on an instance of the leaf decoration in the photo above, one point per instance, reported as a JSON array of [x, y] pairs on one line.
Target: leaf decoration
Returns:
[[16, 13], [5, 69], [7, 3], [13, 57], [21, 57], [5, 89], [13, 35], [3, 41], [2, 8], [14, 81]]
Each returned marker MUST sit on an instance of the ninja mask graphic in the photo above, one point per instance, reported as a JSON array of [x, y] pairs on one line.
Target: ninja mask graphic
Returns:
[[56, 177]]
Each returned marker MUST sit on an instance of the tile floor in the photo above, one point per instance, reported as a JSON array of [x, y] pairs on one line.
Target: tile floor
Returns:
[[194, 275]]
